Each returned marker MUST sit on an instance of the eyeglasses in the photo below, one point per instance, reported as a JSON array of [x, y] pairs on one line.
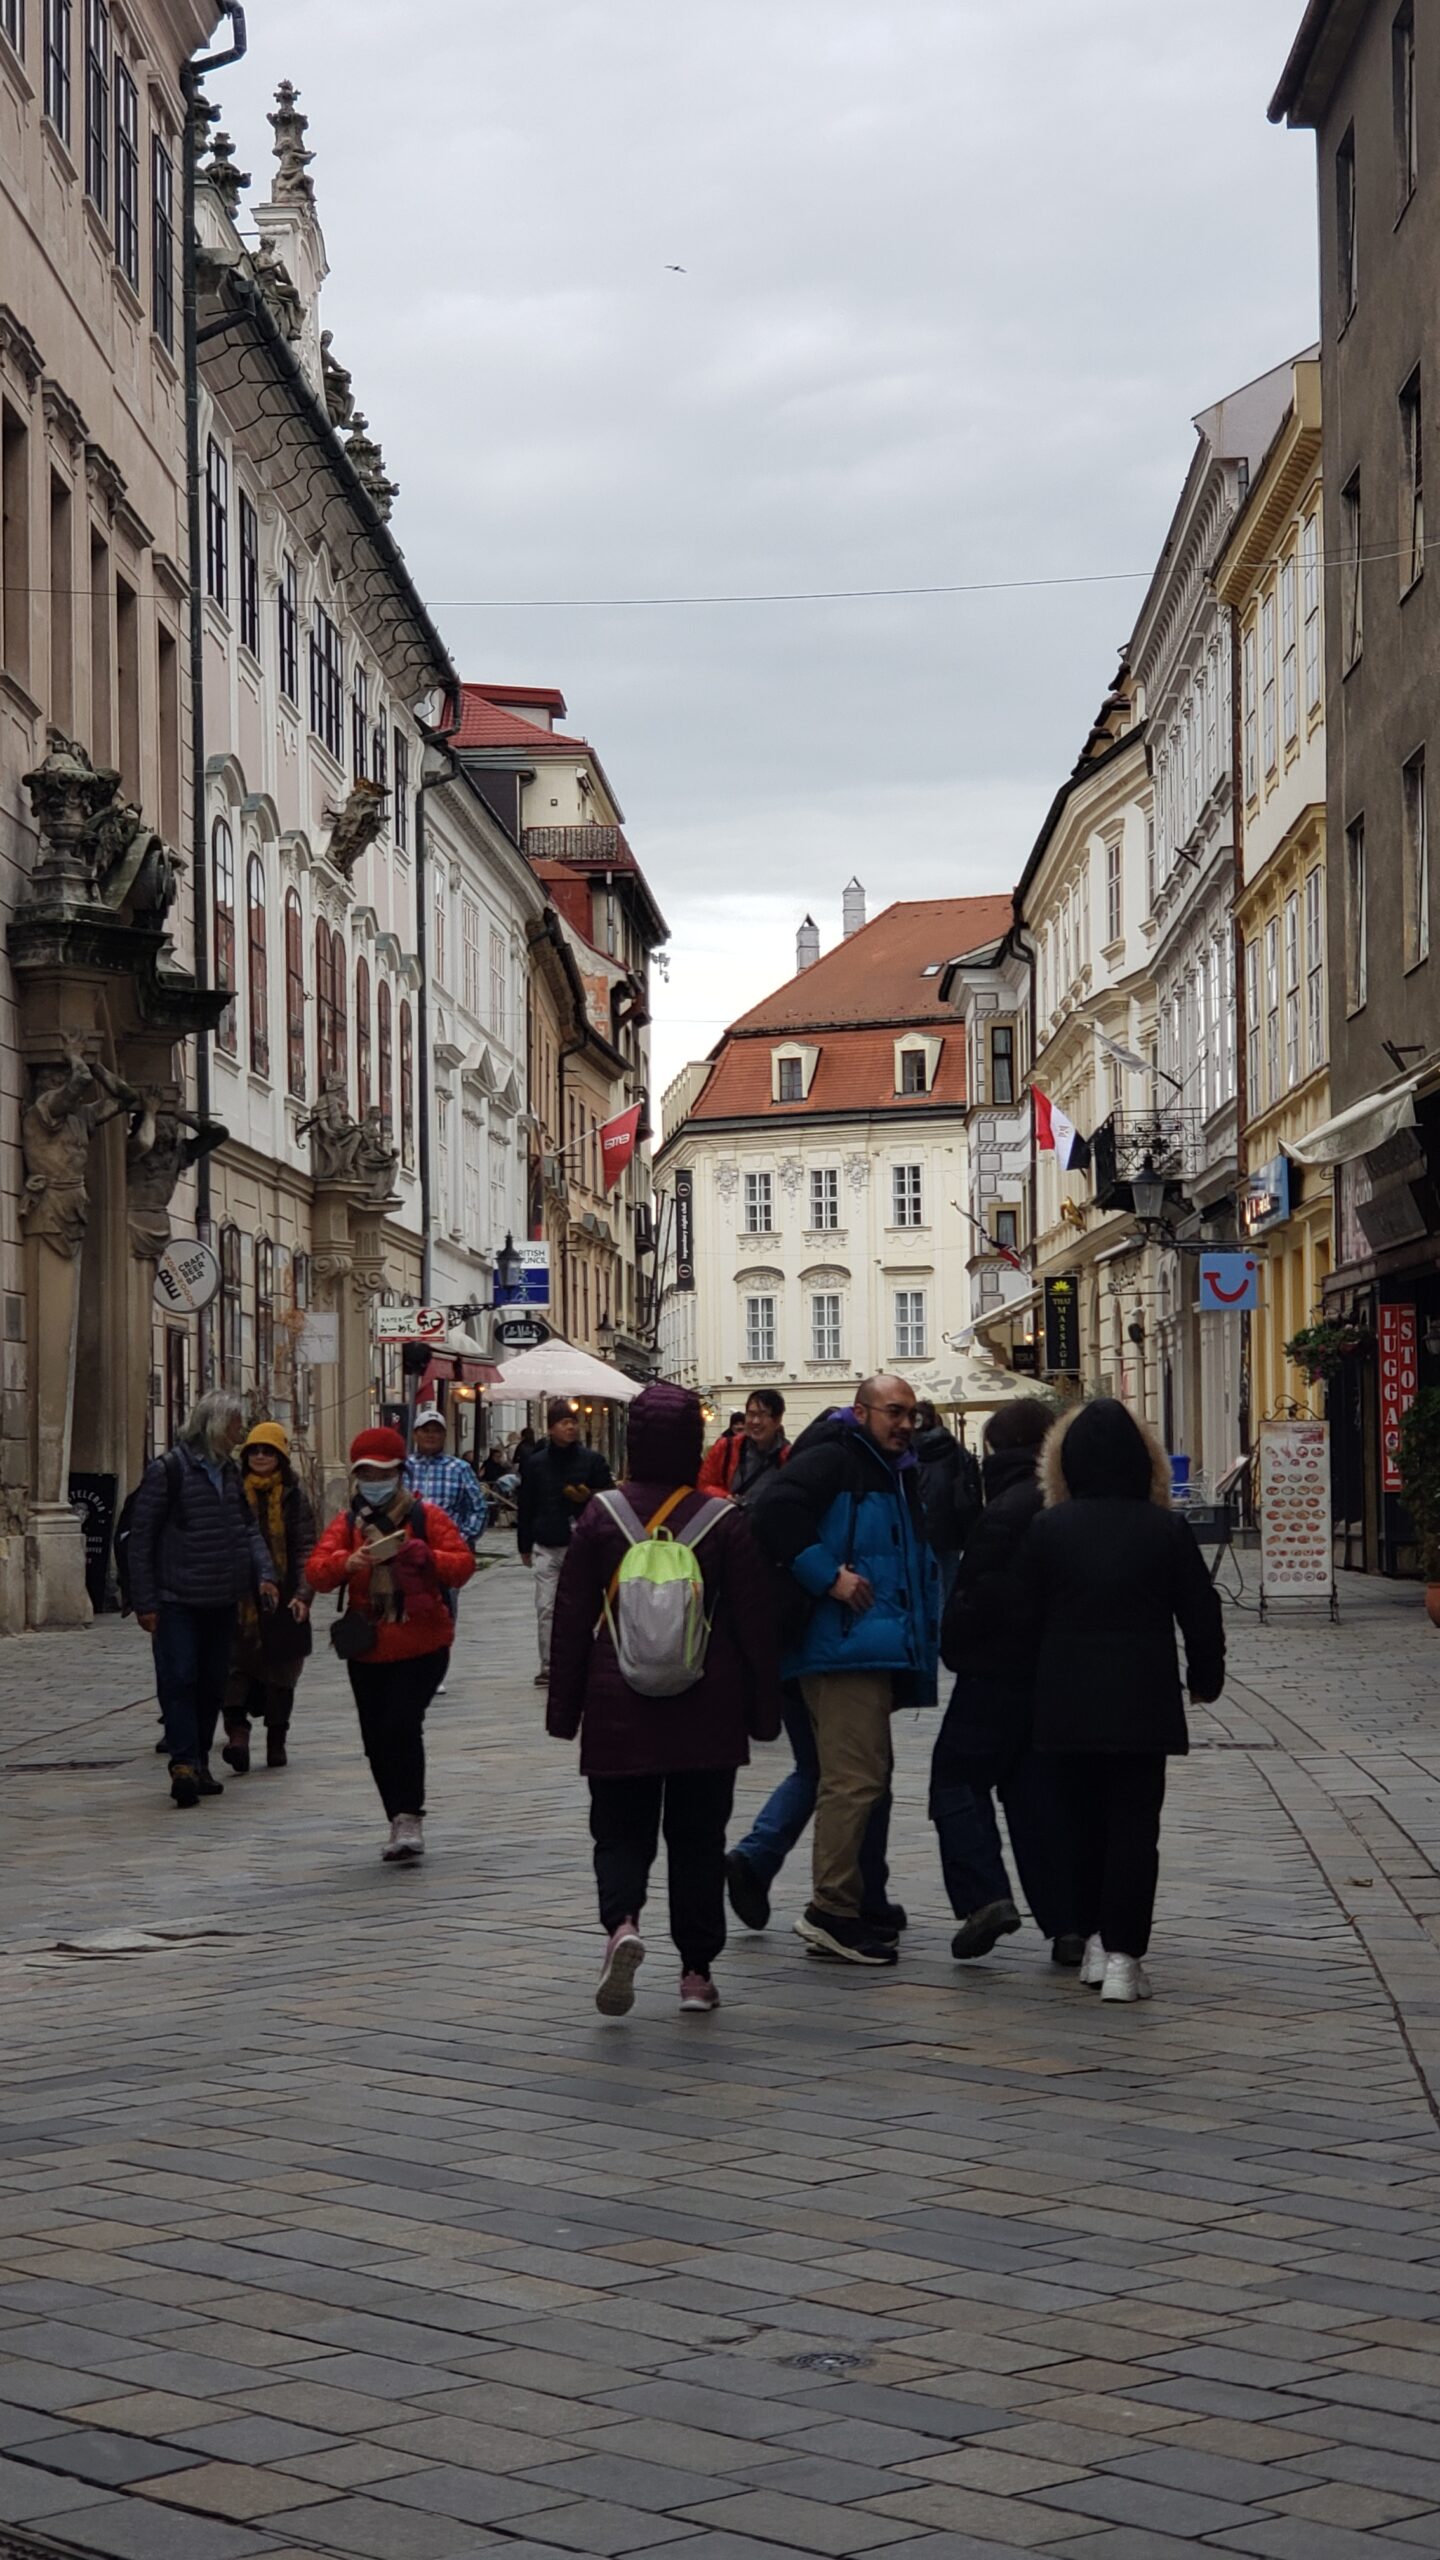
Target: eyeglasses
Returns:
[[892, 1412]]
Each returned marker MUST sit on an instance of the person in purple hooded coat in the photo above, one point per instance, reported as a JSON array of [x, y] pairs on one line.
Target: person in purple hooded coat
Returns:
[[668, 1763]]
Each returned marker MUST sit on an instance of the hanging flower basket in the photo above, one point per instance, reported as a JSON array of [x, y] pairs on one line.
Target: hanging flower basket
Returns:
[[1320, 1351]]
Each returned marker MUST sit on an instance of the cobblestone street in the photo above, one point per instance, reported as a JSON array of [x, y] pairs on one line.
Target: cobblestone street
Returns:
[[343, 2224]]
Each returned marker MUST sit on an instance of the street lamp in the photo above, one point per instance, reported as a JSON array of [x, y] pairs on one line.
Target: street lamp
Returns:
[[509, 1267], [605, 1334], [1147, 1195]]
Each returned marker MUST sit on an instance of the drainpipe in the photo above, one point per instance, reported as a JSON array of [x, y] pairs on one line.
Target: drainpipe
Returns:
[[192, 73], [437, 739]]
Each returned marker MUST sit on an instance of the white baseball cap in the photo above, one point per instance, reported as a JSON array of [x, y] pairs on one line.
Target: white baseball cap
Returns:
[[428, 1413]]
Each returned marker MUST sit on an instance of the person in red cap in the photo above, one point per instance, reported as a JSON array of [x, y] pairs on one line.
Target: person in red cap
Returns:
[[396, 1559]]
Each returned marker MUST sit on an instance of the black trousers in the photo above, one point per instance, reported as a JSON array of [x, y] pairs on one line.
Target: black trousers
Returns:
[[392, 1698], [1113, 1801], [626, 1816]]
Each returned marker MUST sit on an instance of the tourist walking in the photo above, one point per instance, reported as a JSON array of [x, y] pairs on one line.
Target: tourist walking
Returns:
[[1107, 1571], [397, 1558], [662, 1761], [950, 1492], [195, 1553], [860, 1636], [270, 1647], [449, 1483], [985, 1745], [557, 1479], [741, 1462]]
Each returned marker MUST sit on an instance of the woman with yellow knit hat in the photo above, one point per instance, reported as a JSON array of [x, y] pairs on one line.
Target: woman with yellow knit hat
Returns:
[[271, 1645]]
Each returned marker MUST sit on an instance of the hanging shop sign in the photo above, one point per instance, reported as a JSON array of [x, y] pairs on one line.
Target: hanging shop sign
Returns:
[[1062, 1328], [511, 1330], [1229, 1283], [1264, 1197], [187, 1276], [319, 1339], [409, 1323], [534, 1285], [685, 1229], [1296, 1555], [1399, 1386]]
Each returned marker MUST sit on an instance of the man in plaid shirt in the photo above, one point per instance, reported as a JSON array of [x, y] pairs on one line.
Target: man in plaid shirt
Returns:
[[447, 1482]]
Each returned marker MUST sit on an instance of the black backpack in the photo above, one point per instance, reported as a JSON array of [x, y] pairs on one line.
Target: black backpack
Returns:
[[123, 1526]]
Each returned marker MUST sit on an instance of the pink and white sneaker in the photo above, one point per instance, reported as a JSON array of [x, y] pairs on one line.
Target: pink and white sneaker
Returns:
[[624, 1955], [697, 1991]]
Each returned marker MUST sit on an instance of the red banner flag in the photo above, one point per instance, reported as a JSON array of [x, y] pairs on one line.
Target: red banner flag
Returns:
[[617, 1145]]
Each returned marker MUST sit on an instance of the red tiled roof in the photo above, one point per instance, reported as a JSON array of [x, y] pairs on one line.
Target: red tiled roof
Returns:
[[877, 976], [855, 1072], [540, 697], [486, 723]]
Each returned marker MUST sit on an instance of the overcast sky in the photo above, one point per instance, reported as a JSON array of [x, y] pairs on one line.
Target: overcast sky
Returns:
[[959, 273]]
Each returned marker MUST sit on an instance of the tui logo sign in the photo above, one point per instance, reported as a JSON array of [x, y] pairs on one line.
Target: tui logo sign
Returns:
[[1229, 1283]]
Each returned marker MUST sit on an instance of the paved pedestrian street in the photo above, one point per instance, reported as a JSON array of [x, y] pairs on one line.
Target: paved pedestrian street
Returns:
[[333, 2218]]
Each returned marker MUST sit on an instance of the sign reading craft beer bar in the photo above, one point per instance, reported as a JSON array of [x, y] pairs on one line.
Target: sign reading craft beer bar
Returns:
[[1062, 1328]]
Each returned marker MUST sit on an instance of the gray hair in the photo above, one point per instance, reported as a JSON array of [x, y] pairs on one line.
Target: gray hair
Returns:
[[210, 1420]]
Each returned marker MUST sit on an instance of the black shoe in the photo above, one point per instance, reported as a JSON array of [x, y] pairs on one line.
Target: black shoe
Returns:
[[852, 1941], [236, 1754], [887, 1919], [184, 1785], [277, 1757], [207, 1785], [748, 1898], [977, 1935], [1068, 1949]]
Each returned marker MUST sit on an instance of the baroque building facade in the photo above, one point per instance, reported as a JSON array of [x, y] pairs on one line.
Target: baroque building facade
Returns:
[[813, 1174]]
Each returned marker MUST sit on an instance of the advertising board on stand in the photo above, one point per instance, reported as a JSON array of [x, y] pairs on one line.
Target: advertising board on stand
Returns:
[[1296, 1541]]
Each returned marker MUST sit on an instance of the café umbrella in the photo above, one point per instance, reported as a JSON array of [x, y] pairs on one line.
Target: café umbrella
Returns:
[[557, 1369]]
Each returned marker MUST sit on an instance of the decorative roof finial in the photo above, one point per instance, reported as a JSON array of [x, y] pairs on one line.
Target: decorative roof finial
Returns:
[[369, 466], [222, 174], [294, 185]]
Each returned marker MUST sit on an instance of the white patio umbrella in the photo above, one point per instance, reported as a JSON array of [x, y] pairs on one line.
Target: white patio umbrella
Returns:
[[558, 1369]]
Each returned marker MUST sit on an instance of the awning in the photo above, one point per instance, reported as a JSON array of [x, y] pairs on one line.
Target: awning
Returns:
[[1359, 1129], [450, 1366], [556, 1368]]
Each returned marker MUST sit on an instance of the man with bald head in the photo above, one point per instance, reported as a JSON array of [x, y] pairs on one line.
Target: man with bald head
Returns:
[[862, 1638]]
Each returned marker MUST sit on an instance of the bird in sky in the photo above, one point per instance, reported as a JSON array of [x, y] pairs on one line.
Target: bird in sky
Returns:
[[672, 270]]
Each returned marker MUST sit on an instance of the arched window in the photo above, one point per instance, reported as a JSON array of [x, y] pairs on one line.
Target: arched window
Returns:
[[330, 1001], [264, 1317], [294, 994], [340, 1008], [407, 1086], [223, 879], [362, 1033], [232, 1330], [255, 926], [385, 1042]]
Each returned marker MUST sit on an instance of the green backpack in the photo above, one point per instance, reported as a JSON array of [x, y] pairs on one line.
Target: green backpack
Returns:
[[655, 1606]]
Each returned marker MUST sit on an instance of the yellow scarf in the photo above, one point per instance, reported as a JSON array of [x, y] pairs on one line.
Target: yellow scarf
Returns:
[[266, 1497]]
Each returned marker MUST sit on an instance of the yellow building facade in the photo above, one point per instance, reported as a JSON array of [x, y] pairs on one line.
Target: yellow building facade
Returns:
[[1271, 575]]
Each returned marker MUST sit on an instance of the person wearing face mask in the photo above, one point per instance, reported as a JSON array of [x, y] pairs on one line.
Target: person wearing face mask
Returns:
[[396, 1559]]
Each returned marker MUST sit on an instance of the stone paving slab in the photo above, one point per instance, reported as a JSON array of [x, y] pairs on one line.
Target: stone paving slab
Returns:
[[341, 2224]]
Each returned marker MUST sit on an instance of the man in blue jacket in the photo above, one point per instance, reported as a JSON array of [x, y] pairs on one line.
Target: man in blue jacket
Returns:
[[843, 1520]]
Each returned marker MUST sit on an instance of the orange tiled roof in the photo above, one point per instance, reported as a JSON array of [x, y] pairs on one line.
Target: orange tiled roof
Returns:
[[877, 976], [855, 1072], [484, 722]]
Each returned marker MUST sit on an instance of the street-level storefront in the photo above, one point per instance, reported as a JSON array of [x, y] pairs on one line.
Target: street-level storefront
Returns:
[[1286, 1209]]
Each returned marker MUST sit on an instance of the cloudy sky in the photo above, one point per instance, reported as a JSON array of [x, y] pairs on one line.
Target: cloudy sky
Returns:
[[958, 274]]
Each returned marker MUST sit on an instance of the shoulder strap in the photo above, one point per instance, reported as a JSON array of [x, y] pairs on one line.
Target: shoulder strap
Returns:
[[626, 1518], [705, 1518]]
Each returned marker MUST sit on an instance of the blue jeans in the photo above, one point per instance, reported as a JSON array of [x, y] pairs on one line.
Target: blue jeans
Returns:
[[192, 1665], [783, 1816]]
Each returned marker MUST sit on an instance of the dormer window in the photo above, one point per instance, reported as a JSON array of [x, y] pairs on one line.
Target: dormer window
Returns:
[[917, 1062], [792, 1071], [914, 1071]]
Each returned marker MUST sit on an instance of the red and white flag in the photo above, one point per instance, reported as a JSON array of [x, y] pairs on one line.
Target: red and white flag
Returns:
[[1056, 1133], [617, 1144]]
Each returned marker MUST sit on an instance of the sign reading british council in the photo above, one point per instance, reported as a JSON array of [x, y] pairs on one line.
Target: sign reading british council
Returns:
[[1229, 1283], [187, 1276]]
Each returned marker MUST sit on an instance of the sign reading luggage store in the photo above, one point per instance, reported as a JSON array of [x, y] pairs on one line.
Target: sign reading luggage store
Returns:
[[1062, 1328], [1399, 1385]]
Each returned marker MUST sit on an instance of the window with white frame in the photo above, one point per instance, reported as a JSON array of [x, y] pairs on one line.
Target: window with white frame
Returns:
[[824, 1199], [790, 1080], [1254, 1095], [1114, 888], [760, 1330], [97, 104], [914, 1071], [825, 1325], [1316, 1027], [906, 1197], [759, 1204], [1289, 655], [1212, 719], [217, 524], [1002, 1062], [1272, 1010], [470, 955], [438, 960], [57, 65], [498, 1023], [12, 25], [127, 175], [1149, 859], [1269, 732], [911, 1331], [1292, 989], [1252, 733], [1416, 836], [442, 1151], [471, 1162], [1310, 599]]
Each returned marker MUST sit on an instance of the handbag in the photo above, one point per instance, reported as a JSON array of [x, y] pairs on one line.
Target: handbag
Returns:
[[351, 1635]]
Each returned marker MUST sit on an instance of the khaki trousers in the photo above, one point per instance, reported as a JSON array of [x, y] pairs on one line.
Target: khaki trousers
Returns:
[[546, 1569], [850, 1711]]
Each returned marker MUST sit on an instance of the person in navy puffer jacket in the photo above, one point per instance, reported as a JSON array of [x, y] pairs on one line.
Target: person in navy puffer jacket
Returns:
[[843, 1520]]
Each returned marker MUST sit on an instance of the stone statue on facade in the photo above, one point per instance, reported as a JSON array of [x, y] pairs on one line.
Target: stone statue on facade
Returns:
[[280, 291], [355, 828], [339, 394], [157, 1152], [67, 1105], [335, 1137], [293, 182], [96, 848], [221, 173], [369, 465], [376, 1159]]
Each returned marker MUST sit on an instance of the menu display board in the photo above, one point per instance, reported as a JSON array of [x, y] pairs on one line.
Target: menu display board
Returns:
[[1296, 1553]]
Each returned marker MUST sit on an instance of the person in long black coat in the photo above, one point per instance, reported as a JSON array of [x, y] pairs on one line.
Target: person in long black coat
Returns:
[[1107, 1572], [984, 1747]]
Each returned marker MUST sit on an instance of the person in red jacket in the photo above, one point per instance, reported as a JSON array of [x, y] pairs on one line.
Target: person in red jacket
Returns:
[[740, 1462], [396, 1558]]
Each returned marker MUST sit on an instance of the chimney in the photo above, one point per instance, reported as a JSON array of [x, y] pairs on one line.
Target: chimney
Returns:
[[807, 945], [853, 908]]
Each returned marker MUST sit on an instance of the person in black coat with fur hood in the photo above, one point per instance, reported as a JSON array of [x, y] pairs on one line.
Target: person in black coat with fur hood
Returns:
[[1107, 1572], [985, 1745]]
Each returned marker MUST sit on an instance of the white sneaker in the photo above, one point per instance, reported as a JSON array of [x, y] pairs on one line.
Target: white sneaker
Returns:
[[1125, 1979], [444, 1685], [407, 1839], [1092, 1964]]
